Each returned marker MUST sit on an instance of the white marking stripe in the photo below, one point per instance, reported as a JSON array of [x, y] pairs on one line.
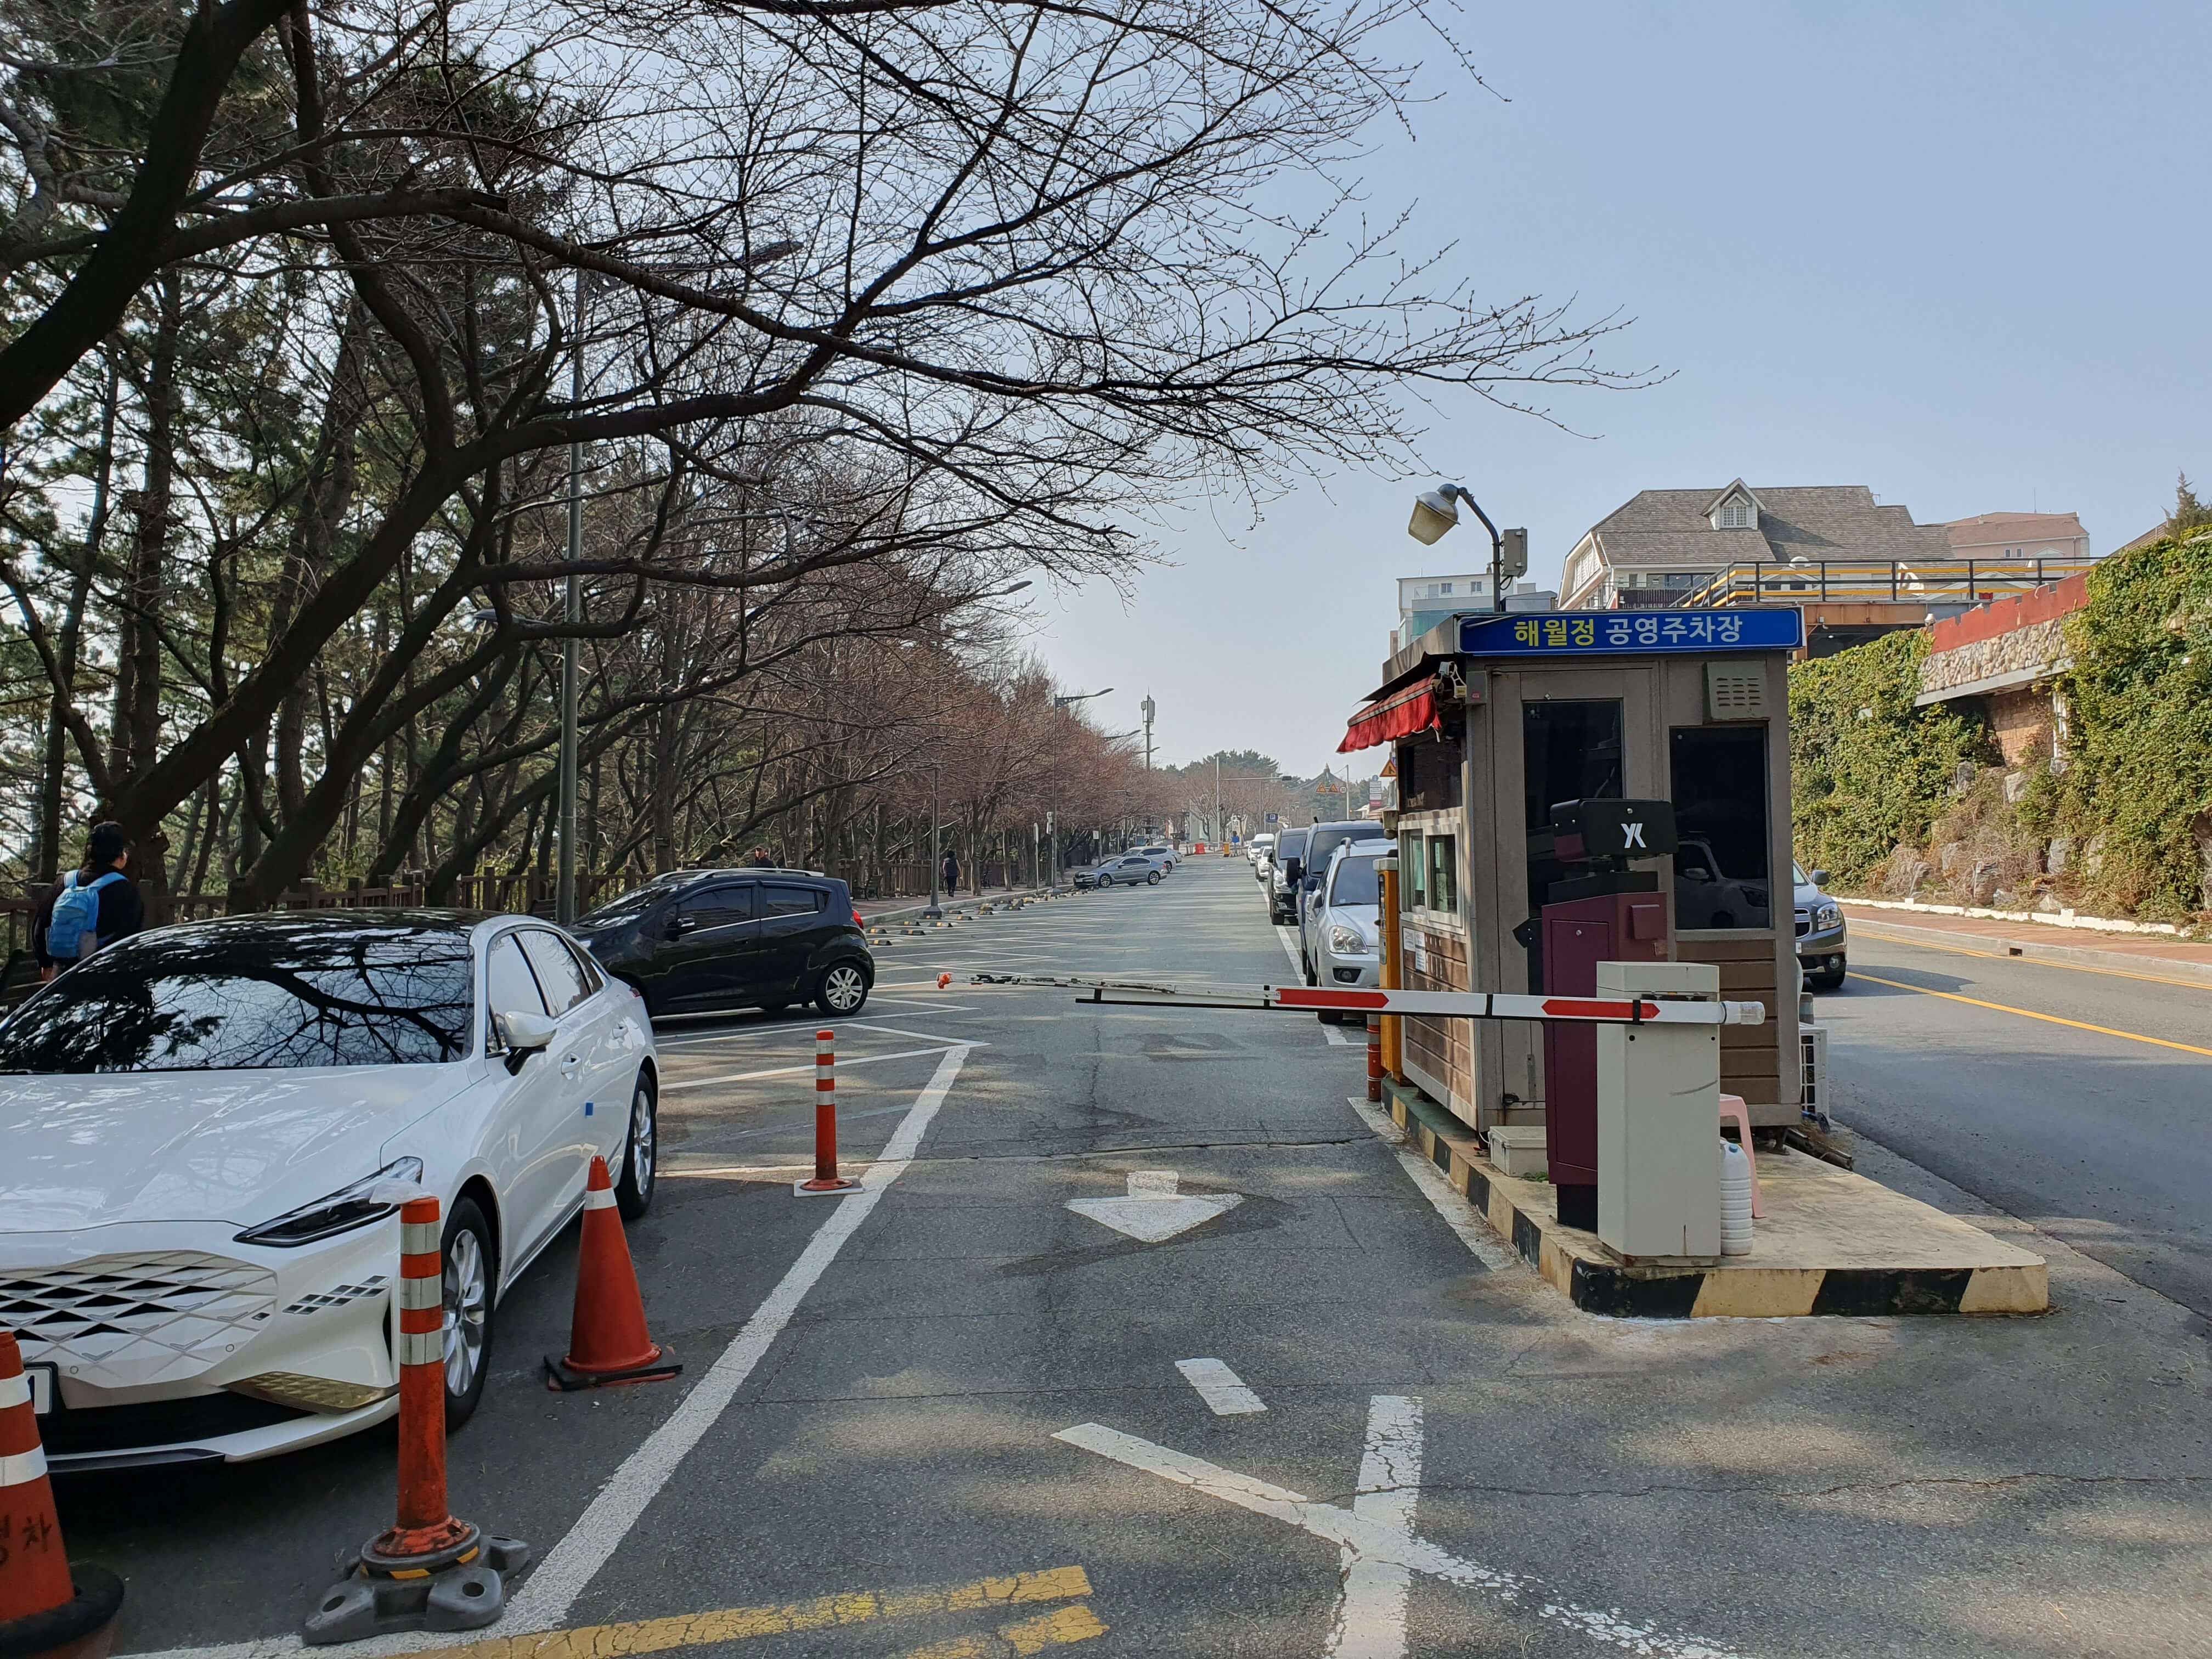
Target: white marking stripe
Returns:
[[419, 1293], [15, 1391], [418, 1237], [1377, 1542], [794, 1070], [23, 1467], [1458, 1215], [1222, 1389], [421, 1347], [602, 1199], [551, 1590], [1370, 1613]]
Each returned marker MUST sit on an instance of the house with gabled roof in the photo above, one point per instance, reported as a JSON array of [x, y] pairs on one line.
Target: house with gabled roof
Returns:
[[1664, 544]]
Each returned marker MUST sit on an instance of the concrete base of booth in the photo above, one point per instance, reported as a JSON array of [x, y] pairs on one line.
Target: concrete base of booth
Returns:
[[1831, 1242]]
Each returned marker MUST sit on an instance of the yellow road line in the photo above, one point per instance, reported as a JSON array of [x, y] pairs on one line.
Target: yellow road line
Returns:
[[1055, 1629], [2030, 1013], [828, 1612], [1897, 937]]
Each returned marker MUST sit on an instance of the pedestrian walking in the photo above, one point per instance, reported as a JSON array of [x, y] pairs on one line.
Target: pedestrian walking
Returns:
[[951, 872], [93, 905]]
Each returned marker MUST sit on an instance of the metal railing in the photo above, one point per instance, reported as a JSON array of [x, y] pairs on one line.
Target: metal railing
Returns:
[[1878, 580]]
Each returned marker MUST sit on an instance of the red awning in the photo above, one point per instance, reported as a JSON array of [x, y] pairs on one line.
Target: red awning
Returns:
[[1399, 715]]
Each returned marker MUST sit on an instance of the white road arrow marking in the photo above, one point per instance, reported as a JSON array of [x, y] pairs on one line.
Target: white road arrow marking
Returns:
[[1154, 1211], [1220, 1388], [1373, 1541]]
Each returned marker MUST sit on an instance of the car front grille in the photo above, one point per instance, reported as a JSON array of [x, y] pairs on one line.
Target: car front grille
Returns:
[[126, 1320], [1804, 923]]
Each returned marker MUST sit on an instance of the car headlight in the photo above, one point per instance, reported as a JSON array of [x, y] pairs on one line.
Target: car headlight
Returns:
[[1827, 917], [1346, 941], [367, 1199]]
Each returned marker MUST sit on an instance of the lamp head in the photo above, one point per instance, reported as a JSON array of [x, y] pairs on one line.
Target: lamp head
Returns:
[[1434, 512]]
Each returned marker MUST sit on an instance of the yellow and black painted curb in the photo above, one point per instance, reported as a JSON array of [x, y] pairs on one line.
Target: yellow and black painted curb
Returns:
[[1571, 1263]]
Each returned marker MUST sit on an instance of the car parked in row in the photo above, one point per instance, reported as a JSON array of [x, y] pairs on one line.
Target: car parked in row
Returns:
[[1257, 851], [1338, 943], [700, 941], [1321, 841], [1287, 865], [210, 1129]]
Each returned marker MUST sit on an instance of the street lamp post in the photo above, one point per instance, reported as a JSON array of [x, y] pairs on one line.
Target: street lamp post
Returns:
[[1435, 513], [934, 910]]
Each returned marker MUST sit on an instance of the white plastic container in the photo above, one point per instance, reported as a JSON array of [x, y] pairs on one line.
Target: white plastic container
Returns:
[[1736, 1200]]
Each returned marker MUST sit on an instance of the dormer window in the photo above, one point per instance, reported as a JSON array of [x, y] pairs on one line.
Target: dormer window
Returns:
[[1734, 514]]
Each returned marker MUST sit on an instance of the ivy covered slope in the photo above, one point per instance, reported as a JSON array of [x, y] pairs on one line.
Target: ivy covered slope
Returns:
[[1868, 771], [2139, 754]]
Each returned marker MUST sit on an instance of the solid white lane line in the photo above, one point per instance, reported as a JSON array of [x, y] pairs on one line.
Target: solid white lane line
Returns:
[[1289, 939], [1458, 1214], [1222, 1389], [546, 1597], [893, 1030], [1337, 1038], [1374, 1541], [1370, 1608], [551, 1591], [808, 1068]]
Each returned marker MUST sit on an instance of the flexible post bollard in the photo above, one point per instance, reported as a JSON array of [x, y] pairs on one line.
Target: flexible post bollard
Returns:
[[827, 1181], [1375, 1056]]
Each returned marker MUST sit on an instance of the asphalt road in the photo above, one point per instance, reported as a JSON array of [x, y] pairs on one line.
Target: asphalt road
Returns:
[[2102, 1138], [955, 1416]]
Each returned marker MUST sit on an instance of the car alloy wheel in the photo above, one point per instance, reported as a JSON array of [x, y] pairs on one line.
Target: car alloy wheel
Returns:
[[1152, 880], [844, 988], [1105, 881], [634, 1191], [467, 1298]]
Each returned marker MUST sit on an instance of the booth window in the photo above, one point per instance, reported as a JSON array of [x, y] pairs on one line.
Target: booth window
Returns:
[[1721, 874], [1409, 861], [1441, 890]]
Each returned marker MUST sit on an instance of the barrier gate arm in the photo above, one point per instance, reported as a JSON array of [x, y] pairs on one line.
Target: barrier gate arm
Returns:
[[1456, 1004]]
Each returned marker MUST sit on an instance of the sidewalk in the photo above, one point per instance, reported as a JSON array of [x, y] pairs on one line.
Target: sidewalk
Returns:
[[2143, 952]]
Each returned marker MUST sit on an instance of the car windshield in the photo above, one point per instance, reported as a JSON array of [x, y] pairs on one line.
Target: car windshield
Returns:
[[241, 996], [1292, 845], [1356, 882], [632, 905], [1797, 874]]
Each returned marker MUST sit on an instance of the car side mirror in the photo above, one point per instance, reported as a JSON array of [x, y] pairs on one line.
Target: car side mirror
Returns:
[[525, 1034], [1819, 878], [678, 925], [1313, 884]]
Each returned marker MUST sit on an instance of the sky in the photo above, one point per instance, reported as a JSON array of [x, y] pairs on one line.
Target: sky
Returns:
[[1954, 253]]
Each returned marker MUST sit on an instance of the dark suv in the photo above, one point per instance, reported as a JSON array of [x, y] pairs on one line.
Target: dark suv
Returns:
[[697, 941]]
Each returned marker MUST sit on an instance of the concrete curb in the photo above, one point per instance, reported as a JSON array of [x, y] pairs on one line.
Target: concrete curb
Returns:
[[1598, 1286], [867, 907], [2004, 945]]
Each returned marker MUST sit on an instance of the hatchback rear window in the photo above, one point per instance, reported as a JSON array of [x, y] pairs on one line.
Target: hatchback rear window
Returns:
[[244, 997]]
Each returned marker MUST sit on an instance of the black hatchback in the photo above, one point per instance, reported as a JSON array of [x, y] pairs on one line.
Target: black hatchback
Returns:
[[697, 941]]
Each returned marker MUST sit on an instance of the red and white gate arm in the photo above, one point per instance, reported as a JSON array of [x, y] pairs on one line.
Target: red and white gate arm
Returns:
[[1454, 1005]]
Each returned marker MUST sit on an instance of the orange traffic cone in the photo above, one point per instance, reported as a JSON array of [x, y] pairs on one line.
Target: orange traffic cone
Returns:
[[608, 1342], [50, 1607]]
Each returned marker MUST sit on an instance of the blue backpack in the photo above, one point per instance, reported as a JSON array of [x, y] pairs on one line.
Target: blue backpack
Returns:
[[76, 915]]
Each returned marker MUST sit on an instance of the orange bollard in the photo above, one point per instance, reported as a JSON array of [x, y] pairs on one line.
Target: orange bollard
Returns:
[[1375, 1056], [429, 1570], [827, 1181], [50, 1607], [608, 1341]]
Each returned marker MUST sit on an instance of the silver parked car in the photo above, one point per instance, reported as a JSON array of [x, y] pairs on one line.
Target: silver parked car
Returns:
[[1123, 870], [1822, 945], [1340, 941]]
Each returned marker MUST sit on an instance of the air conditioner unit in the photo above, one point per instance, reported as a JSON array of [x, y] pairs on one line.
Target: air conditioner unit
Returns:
[[1812, 1044]]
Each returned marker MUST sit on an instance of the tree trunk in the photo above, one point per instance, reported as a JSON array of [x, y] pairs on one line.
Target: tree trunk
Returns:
[[54, 777]]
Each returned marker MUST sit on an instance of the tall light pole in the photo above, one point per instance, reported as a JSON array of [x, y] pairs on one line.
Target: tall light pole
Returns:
[[1434, 514], [564, 884], [1147, 707], [934, 909]]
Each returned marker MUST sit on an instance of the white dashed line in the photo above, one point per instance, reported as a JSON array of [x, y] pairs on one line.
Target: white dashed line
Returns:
[[1222, 1389]]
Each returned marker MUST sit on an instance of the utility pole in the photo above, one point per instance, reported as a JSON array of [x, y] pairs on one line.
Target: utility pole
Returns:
[[934, 909], [564, 889], [1217, 833], [1148, 732]]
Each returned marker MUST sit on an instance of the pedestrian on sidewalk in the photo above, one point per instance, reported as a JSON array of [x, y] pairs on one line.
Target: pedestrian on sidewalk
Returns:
[[107, 907], [951, 872]]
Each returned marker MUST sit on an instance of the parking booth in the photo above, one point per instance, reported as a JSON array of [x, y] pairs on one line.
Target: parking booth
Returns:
[[1496, 720]]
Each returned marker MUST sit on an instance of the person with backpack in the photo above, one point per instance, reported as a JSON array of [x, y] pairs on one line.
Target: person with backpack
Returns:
[[90, 907], [952, 872]]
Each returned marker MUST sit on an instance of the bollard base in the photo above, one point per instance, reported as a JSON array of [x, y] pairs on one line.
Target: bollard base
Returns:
[[563, 1378], [838, 1188], [82, 1627], [456, 1598]]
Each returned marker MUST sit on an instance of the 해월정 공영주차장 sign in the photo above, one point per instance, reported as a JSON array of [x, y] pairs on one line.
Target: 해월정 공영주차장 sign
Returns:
[[1606, 633]]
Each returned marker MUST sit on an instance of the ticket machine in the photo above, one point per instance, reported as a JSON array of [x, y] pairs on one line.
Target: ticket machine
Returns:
[[1498, 720]]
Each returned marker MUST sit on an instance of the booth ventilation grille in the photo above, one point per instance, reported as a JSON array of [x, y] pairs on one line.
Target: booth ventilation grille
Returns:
[[1735, 694]]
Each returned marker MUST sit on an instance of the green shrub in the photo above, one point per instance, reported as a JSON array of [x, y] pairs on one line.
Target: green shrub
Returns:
[[2139, 705], [1868, 771]]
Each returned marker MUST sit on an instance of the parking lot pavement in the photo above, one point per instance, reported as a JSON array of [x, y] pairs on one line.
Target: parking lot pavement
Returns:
[[1139, 1339]]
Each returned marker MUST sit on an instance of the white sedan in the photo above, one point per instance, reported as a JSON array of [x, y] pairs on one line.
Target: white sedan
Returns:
[[209, 1130]]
